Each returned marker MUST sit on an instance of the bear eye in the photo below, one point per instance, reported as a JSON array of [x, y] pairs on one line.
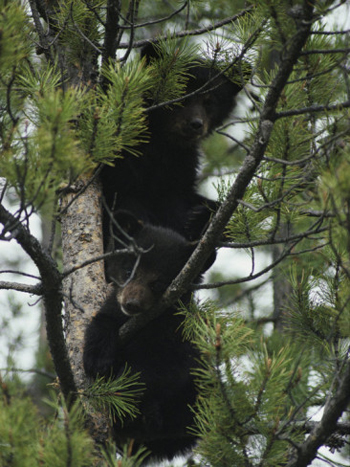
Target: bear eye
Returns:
[[158, 286], [127, 273], [127, 268], [209, 100]]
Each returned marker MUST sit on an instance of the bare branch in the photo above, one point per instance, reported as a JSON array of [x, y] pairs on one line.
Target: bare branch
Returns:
[[156, 21], [46, 374], [31, 289], [274, 241], [342, 428], [268, 268], [132, 12], [194, 32], [11, 271], [44, 39], [313, 109], [111, 31], [326, 51], [94, 260], [331, 33]]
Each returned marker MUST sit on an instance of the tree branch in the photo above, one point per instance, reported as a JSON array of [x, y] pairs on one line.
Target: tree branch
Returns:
[[334, 408], [94, 260], [31, 289], [51, 283], [46, 374], [156, 21], [276, 241], [193, 32], [268, 268], [341, 428], [313, 109], [111, 31]]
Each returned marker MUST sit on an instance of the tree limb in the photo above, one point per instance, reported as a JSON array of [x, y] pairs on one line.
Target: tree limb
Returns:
[[313, 108], [334, 408], [156, 21], [51, 283], [341, 428], [111, 31], [31, 289], [193, 32], [281, 240]]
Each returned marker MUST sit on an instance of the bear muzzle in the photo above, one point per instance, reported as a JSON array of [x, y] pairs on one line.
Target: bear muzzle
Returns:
[[135, 299]]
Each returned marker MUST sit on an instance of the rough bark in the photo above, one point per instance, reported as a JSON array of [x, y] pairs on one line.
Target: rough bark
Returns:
[[84, 289]]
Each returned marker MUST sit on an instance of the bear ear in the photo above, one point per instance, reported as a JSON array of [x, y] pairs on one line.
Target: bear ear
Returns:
[[209, 261], [239, 75], [126, 224], [150, 50]]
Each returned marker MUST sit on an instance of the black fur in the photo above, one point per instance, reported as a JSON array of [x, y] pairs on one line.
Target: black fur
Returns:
[[159, 351], [160, 186]]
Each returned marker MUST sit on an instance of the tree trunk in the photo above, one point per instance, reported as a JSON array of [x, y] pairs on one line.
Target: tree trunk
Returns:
[[84, 289]]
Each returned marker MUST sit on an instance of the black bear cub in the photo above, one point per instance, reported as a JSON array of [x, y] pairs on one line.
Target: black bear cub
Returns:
[[160, 186], [158, 351]]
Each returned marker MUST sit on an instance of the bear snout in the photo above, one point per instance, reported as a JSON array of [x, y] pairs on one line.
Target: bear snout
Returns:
[[197, 125], [135, 299], [131, 307], [194, 129]]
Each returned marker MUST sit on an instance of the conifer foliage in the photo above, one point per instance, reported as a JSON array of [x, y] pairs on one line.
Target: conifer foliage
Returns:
[[274, 335]]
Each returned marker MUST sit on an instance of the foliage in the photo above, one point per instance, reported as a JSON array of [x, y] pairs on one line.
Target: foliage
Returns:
[[59, 440], [26, 440], [75, 93], [119, 397], [250, 390]]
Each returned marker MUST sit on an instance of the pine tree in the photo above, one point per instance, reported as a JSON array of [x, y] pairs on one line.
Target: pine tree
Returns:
[[274, 339]]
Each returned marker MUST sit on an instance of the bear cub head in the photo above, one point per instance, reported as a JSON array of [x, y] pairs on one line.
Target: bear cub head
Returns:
[[199, 115], [141, 277]]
